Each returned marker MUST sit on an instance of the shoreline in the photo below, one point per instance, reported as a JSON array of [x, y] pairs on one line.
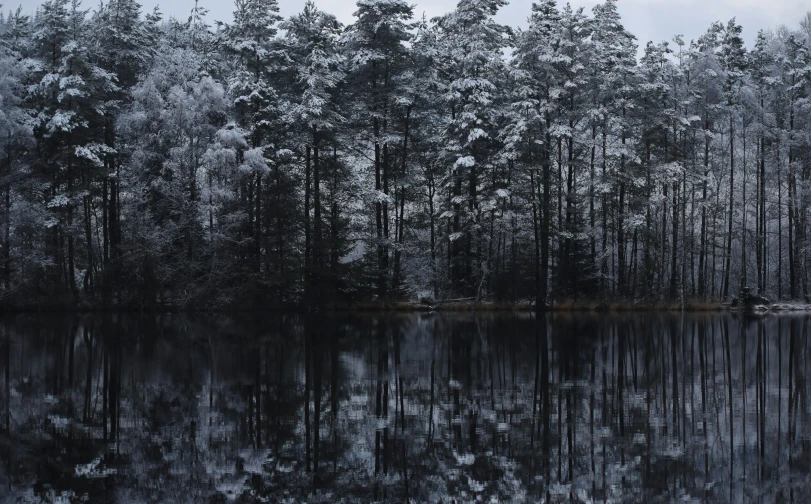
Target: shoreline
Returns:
[[595, 307]]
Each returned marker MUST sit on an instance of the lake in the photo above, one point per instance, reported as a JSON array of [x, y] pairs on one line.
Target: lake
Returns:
[[248, 408]]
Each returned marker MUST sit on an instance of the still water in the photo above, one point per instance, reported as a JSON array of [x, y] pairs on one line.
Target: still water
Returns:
[[419, 408]]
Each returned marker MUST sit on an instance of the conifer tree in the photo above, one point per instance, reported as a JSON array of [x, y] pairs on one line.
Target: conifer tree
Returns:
[[376, 44], [311, 41], [471, 43]]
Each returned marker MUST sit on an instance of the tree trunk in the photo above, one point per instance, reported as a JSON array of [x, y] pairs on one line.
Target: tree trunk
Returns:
[[539, 298], [674, 280], [727, 267], [621, 279], [546, 215], [307, 238], [396, 280], [7, 208], [318, 241], [702, 256]]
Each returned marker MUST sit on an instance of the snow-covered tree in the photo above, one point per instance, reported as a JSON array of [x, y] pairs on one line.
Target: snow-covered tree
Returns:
[[376, 43], [15, 137], [303, 161], [615, 55], [472, 66], [317, 66]]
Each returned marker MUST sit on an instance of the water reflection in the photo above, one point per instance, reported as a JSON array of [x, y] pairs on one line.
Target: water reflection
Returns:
[[571, 408]]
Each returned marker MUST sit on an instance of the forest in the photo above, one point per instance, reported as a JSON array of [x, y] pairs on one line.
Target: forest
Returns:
[[191, 163]]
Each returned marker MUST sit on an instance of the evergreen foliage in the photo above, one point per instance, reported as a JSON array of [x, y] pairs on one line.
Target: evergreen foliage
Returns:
[[271, 162]]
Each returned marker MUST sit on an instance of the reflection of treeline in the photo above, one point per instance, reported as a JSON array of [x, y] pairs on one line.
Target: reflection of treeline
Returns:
[[640, 408]]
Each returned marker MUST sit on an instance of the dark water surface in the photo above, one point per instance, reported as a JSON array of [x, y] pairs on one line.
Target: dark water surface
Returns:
[[426, 408]]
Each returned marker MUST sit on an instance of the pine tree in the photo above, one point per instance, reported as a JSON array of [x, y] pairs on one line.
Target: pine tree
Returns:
[[311, 43], [423, 97], [169, 130], [251, 39], [15, 135], [615, 55], [574, 270], [732, 56], [471, 44], [794, 89], [760, 64], [654, 94], [68, 98], [376, 43], [538, 58]]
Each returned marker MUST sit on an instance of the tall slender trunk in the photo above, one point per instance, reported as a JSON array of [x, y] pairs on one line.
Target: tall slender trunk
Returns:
[[378, 162], [569, 249], [665, 195], [743, 208], [674, 279], [621, 277], [257, 231], [7, 375], [7, 238], [473, 237], [758, 216], [604, 210], [649, 274], [727, 267], [792, 237], [7, 208], [432, 215], [318, 241], [307, 238], [702, 256], [104, 223], [546, 211], [396, 280], [335, 246], [105, 371], [779, 226], [279, 221], [593, 238], [539, 297]]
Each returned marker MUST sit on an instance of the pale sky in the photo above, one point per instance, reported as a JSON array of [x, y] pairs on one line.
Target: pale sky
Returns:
[[647, 19]]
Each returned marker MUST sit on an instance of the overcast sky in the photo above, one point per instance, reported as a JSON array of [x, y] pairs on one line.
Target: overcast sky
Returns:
[[647, 19]]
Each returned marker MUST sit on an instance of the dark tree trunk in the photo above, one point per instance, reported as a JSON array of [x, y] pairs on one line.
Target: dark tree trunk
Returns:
[[728, 266], [396, 279], [546, 211], [318, 241], [307, 238]]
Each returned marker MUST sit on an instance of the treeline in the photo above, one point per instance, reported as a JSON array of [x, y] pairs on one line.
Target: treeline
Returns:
[[150, 162]]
